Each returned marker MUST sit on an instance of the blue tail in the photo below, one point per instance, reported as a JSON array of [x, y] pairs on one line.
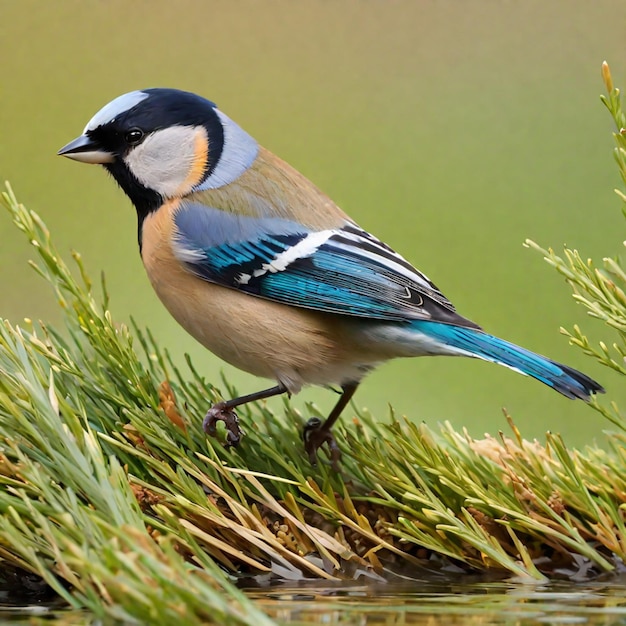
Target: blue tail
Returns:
[[566, 380]]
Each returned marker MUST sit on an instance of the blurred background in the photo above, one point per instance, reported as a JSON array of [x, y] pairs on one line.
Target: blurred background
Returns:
[[451, 130]]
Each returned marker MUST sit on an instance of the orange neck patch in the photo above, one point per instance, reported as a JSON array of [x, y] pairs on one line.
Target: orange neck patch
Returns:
[[198, 164]]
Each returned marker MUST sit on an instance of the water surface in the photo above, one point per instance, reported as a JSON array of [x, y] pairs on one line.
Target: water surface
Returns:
[[416, 602]]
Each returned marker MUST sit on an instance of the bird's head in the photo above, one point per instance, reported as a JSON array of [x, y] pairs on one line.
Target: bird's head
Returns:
[[161, 144]]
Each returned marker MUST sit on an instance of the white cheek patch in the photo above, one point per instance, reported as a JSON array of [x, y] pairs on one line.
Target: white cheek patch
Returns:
[[165, 160], [238, 153], [110, 111]]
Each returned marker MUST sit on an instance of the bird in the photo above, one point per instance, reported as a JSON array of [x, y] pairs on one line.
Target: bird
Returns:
[[267, 272]]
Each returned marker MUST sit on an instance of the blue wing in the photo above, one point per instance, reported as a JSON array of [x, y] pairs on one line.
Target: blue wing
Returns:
[[344, 270]]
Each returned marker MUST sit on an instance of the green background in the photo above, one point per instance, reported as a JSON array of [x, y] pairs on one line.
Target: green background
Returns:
[[452, 130]]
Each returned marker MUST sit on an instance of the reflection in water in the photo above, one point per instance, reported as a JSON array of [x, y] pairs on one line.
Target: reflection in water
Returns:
[[433, 604], [416, 602]]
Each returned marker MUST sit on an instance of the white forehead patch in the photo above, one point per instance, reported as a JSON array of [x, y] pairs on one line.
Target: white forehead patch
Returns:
[[238, 154], [110, 111], [165, 159]]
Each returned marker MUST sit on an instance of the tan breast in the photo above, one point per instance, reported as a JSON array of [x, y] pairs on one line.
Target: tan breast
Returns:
[[293, 346]]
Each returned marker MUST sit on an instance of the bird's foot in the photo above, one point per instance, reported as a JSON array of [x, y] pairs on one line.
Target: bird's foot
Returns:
[[220, 412], [315, 436]]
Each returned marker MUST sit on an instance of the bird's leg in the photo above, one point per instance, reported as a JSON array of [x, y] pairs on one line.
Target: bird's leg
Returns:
[[224, 412], [316, 433]]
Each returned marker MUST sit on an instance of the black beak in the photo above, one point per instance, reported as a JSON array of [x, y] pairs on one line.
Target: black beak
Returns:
[[86, 150]]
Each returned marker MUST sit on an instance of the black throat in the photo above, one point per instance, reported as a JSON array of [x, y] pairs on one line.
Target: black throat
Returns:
[[145, 200]]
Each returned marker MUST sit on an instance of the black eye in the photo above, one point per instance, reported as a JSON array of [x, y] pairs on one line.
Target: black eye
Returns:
[[133, 136]]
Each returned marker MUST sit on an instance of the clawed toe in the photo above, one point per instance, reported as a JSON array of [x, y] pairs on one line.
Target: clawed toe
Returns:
[[315, 436], [220, 412]]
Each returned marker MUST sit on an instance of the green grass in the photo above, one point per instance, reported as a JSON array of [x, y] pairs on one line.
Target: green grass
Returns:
[[115, 497]]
